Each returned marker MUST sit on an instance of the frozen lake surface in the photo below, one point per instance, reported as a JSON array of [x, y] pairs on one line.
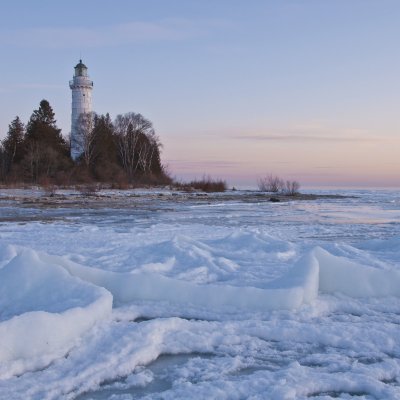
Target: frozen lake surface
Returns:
[[155, 295]]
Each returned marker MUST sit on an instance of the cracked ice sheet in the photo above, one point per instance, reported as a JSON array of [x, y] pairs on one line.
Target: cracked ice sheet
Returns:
[[280, 357]]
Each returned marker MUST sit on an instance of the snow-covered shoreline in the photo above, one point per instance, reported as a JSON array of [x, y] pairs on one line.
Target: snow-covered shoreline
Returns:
[[264, 300]]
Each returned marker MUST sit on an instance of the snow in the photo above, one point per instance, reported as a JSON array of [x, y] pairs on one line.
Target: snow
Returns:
[[44, 300], [288, 292], [338, 274], [158, 298]]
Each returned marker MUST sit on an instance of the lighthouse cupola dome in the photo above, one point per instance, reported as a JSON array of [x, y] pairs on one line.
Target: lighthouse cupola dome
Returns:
[[80, 69]]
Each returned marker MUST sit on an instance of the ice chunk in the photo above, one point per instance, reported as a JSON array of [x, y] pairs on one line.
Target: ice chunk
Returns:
[[299, 286], [305, 275], [338, 274], [43, 310], [7, 252]]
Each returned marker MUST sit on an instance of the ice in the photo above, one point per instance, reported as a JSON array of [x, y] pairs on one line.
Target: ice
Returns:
[[297, 286], [43, 311], [338, 274], [159, 298], [288, 292]]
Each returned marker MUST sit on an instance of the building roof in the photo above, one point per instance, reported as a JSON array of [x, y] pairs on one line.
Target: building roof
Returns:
[[80, 65]]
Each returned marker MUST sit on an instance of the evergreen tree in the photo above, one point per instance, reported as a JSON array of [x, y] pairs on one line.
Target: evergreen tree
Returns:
[[106, 167], [44, 114], [42, 128], [46, 151], [3, 173], [105, 141], [13, 144]]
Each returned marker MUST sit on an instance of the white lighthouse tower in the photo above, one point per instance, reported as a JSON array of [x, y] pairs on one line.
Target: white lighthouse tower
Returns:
[[81, 87]]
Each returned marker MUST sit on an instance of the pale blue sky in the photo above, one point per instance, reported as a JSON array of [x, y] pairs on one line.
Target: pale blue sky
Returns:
[[306, 89]]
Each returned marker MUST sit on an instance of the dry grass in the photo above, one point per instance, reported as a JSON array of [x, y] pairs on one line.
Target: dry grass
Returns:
[[207, 184]]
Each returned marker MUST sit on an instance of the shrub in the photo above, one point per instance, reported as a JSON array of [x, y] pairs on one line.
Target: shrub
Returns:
[[207, 184], [89, 189], [48, 188], [271, 183], [274, 184], [185, 187], [292, 188]]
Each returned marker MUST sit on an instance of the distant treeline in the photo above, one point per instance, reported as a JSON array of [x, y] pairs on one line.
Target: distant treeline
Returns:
[[123, 151]]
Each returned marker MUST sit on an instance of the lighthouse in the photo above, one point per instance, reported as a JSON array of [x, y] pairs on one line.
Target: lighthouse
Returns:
[[81, 87]]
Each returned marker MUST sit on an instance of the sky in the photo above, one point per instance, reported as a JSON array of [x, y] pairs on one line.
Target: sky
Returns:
[[236, 89]]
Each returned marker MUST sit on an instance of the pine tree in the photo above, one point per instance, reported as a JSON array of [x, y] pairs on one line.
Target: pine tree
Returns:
[[105, 142], [46, 150], [105, 166], [3, 174], [44, 114], [42, 128], [13, 144]]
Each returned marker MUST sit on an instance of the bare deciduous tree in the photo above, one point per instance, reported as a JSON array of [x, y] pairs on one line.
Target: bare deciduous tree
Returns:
[[85, 138], [32, 159], [136, 142], [127, 139], [147, 151]]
